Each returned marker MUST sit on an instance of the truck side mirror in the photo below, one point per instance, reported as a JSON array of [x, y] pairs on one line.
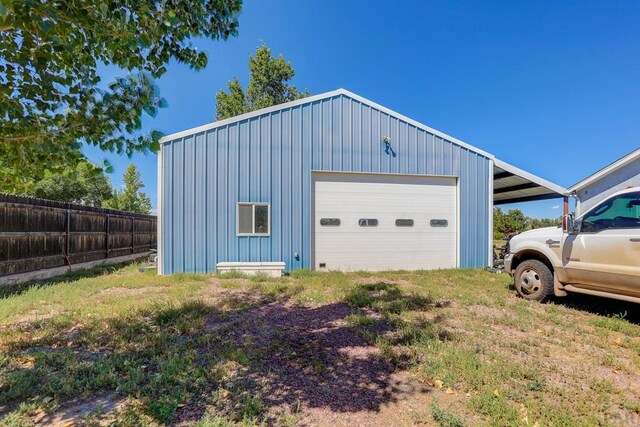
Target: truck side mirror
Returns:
[[571, 225]]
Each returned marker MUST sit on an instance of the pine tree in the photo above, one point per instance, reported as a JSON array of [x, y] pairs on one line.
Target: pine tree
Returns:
[[268, 85], [131, 198]]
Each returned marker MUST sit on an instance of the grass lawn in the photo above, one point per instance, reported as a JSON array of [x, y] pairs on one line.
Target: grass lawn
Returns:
[[451, 348]]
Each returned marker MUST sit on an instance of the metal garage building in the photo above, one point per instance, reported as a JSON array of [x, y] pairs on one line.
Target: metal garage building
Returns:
[[333, 181]]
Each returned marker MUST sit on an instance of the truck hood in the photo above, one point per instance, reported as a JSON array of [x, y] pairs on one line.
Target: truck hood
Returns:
[[547, 232]]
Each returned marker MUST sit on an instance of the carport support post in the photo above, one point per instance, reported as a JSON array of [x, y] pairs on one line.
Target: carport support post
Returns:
[[565, 212]]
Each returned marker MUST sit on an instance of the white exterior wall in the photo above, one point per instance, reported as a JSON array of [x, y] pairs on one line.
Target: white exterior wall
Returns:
[[627, 176]]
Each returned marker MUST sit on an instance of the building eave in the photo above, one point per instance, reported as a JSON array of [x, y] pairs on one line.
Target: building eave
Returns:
[[604, 172]]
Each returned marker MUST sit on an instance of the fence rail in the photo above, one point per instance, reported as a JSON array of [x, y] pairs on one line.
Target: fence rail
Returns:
[[38, 234]]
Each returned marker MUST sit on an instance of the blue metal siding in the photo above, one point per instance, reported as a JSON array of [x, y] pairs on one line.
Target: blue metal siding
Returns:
[[269, 158]]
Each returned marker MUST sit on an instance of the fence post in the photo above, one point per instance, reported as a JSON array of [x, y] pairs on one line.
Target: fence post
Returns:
[[133, 225], [106, 237], [67, 231]]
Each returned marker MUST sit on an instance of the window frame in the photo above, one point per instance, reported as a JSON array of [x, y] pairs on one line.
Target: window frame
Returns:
[[253, 219]]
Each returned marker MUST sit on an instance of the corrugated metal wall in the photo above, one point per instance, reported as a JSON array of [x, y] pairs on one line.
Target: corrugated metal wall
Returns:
[[269, 158]]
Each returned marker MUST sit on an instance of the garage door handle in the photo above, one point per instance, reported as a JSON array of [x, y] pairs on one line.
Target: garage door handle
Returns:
[[635, 240]]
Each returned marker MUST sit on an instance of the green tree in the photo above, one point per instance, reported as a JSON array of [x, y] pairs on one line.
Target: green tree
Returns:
[[85, 184], [131, 198], [51, 98], [268, 85], [514, 221]]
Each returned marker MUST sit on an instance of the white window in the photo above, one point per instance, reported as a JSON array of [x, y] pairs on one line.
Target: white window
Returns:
[[254, 219]]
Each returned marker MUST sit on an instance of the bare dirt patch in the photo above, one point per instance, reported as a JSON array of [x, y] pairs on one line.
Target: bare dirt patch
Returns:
[[97, 409], [130, 291]]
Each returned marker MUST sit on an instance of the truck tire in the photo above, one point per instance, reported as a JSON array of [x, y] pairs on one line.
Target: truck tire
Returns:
[[533, 280]]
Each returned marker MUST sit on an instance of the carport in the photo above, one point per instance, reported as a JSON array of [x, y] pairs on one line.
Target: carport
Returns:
[[514, 185]]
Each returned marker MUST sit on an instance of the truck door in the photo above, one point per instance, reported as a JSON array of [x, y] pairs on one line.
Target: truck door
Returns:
[[605, 254]]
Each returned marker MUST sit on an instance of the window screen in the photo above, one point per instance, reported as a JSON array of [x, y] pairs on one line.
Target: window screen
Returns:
[[439, 223], [404, 223], [330, 222], [368, 222], [245, 219], [253, 219]]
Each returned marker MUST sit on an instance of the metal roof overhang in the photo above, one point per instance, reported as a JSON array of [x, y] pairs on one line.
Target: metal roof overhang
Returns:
[[513, 185]]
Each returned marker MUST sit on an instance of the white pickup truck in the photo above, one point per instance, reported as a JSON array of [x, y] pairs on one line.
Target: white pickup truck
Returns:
[[598, 253]]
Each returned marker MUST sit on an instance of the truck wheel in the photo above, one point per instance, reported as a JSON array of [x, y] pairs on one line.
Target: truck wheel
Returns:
[[533, 280]]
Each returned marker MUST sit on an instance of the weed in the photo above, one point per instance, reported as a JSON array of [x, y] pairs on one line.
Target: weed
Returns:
[[444, 418], [232, 274]]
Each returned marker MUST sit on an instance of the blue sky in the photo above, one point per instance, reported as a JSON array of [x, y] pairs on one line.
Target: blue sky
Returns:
[[551, 87]]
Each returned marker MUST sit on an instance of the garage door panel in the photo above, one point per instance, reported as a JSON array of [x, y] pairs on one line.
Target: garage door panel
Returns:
[[384, 198]]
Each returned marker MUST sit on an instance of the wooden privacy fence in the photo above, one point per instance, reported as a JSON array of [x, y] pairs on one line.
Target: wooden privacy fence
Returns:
[[38, 234]]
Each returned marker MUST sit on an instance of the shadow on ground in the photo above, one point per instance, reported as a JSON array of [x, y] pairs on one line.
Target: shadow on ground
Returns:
[[601, 306], [312, 357], [249, 363]]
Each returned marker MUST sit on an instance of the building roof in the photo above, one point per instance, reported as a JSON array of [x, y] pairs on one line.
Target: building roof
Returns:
[[511, 184], [606, 171]]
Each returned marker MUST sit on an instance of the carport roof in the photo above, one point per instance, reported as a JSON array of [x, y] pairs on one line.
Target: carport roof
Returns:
[[513, 185]]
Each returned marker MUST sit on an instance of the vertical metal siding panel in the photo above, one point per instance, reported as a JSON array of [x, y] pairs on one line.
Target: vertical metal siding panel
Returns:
[[371, 129], [296, 184], [211, 214], [404, 147], [346, 148], [275, 151], [200, 192], [189, 200], [336, 135], [227, 191], [178, 199], [464, 209], [316, 135], [324, 143], [356, 137], [413, 148], [365, 139], [305, 191], [286, 186]]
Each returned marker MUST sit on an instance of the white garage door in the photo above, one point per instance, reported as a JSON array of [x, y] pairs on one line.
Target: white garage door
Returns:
[[380, 222]]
